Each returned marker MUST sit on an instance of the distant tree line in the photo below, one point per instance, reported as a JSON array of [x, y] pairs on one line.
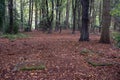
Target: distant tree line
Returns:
[[55, 15]]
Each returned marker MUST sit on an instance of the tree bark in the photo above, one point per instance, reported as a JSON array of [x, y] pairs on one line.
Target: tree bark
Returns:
[[106, 19], [21, 9], [74, 6], [10, 7], [36, 14], [67, 14], [2, 14], [85, 21]]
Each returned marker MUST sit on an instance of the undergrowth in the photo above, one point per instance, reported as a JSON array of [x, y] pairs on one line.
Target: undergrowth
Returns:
[[14, 36], [116, 38]]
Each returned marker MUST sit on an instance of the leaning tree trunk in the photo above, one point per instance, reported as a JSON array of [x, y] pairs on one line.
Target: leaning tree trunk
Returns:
[[85, 21], [106, 19]]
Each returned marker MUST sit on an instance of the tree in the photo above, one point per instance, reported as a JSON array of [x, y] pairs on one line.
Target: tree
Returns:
[[58, 14], [30, 14], [21, 9], [106, 19], [2, 13], [67, 14], [85, 21], [74, 7], [36, 13], [10, 8]]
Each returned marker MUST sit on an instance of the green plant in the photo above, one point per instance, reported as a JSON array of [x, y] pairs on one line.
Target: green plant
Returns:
[[6, 29], [14, 36], [116, 38]]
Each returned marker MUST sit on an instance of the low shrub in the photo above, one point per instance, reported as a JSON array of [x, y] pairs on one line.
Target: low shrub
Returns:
[[14, 36], [116, 38]]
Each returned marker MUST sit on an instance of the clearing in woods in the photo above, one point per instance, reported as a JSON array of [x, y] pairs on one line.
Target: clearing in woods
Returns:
[[61, 56]]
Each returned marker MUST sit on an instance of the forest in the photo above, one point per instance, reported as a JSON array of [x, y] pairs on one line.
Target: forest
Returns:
[[59, 39]]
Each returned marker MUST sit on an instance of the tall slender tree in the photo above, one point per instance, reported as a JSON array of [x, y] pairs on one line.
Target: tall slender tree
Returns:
[[74, 8], [21, 9], [2, 13], [30, 14], [10, 8], [67, 14], [36, 13], [85, 21]]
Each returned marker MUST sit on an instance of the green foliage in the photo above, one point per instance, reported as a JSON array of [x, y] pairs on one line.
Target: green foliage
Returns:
[[40, 67], [116, 10], [14, 36], [116, 38], [6, 29]]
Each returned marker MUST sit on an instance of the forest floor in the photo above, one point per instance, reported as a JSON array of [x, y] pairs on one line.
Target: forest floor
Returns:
[[62, 57]]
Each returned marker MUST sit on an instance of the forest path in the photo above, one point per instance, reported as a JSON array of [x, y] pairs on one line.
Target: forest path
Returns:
[[64, 56]]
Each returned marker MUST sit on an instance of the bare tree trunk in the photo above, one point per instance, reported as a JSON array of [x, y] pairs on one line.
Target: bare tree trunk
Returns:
[[85, 21], [31, 14], [79, 15], [106, 19], [74, 6], [36, 14], [10, 7], [29, 21], [2, 15], [51, 17], [67, 14], [21, 9]]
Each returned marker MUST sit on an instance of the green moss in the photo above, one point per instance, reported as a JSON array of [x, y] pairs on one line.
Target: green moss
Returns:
[[85, 51], [99, 64], [40, 67]]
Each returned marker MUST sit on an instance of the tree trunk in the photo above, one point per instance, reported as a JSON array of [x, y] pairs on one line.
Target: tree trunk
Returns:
[[51, 17], [79, 15], [67, 14], [36, 14], [10, 8], [85, 21], [74, 6], [57, 16], [106, 19], [60, 27], [21, 9], [32, 6], [30, 10], [2, 14]]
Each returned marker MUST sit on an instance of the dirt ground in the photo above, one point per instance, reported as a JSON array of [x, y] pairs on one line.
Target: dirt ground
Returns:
[[64, 57]]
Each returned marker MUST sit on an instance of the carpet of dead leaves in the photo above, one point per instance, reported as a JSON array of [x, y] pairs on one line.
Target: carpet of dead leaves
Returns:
[[62, 56]]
